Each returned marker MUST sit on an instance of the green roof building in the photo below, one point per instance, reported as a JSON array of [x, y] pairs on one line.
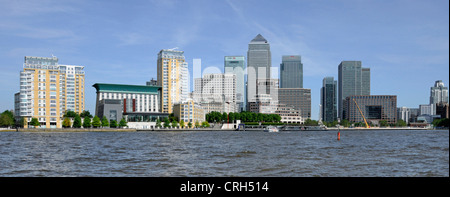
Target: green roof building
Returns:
[[134, 98]]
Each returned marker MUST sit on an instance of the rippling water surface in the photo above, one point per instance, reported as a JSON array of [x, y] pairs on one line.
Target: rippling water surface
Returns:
[[225, 153]]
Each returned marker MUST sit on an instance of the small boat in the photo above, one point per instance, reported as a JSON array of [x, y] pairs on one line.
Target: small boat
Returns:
[[271, 129]]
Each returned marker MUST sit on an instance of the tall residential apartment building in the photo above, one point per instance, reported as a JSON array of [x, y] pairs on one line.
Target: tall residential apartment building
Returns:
[[291, 72], [438, 94], [353, 80], [259, 62], [173, 77], [328, 98], [48, 90], [236, 65]]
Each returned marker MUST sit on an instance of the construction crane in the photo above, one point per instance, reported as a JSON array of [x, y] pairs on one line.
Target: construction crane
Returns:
[[367, 125]]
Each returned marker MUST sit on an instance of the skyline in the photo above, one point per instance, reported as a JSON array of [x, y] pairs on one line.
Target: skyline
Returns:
[[118, 42]]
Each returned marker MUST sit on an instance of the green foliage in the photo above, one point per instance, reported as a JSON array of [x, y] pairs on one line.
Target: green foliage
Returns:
[[205, 124], [86, 113], [197, 124], [77, 122], [70, 114], [330, 124], [105, 122], [444, 122], [6, 119], [158, 123], [182, 123], [174, 124], [172, 118], [345, 123], [243, 116], [96, 122], [190, 125], [113, 124], [310, 122], [123, 123], [87, 122], [35, 122], [383, 123], [166, 122], [66, 122], [401, 123]]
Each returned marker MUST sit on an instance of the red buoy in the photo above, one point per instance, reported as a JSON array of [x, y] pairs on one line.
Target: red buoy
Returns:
[[339, 135]]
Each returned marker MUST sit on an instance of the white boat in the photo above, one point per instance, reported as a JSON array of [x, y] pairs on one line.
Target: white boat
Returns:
[[271, 129]]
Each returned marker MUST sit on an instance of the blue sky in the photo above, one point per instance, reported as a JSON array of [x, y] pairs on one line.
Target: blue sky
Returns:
[[404, 42]]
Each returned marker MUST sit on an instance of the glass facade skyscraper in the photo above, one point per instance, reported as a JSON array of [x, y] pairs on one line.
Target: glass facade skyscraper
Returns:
[[353, 80], [291, 72], [328, 96], [259, 62], [236, 65]]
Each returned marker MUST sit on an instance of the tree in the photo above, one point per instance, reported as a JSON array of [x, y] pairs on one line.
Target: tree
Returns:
[[174, 124], [77, 122], [70, 114], [182, 123], [6, 120], [35, 122], [96, 122], [197, 124], [123, 123], [383, 123], [205, 124], [86, 113], [172, 117], [259, 117], [401, 123], [345, 123], [310, 122], [113, 123], [87, 122], [158, 123], [166, 122], [224, 117], [66, 122], [190, 125], [105, 122]]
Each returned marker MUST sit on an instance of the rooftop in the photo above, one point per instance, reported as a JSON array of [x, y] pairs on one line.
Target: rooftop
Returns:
[[259, 38], [105, 87]]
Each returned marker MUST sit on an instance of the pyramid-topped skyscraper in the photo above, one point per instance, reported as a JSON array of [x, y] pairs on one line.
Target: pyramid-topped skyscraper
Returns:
[[259, 62]]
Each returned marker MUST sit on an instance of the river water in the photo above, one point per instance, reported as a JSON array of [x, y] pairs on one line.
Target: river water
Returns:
[[225, 153]]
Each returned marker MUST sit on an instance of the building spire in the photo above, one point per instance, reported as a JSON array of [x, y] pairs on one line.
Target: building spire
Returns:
[[259, 38]]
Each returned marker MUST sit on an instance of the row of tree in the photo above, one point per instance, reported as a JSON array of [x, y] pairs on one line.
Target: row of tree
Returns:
[[244, 116], [168, 123], [96, 122]]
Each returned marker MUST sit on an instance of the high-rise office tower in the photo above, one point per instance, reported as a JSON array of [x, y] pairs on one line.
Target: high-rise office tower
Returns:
[[438, 94], [173, 77], [291, 72], [353, 80], [48, 90], [236, 65], [328, 97], [259, 63]]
